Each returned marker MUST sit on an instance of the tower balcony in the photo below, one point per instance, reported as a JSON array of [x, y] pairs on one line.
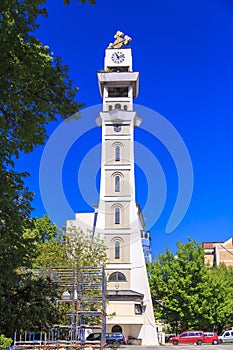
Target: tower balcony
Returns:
[[117, 79]]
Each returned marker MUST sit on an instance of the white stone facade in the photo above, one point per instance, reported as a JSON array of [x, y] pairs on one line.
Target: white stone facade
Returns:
[[118, 219]]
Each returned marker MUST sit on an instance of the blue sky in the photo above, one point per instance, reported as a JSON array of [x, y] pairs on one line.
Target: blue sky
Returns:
[[184, 53]]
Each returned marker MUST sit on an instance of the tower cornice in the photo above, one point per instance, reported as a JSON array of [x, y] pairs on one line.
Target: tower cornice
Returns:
[[120, 116]]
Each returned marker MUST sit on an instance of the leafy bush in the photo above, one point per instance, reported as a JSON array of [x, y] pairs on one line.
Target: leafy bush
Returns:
[[5, 342]]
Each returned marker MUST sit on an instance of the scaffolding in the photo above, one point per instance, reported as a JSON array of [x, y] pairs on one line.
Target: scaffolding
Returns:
[[83, 290]]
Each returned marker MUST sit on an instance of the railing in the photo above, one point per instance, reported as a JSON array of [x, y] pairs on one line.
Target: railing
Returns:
[[60, 345]]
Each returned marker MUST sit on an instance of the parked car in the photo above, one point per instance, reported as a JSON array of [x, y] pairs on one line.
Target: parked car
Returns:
[[111, 338], [211, 337], [188, 337], [226, 336]]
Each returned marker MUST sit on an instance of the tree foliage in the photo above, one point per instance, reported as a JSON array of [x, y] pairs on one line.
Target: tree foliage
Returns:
[[84, 249], [186, 293], [28, 301], [47, 243], [35, 87], [221, 307], [28, 305], [55, 248], [66, 255], [5, 342]]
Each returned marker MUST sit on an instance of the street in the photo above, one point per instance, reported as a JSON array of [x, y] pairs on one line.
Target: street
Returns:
[[181, 347]]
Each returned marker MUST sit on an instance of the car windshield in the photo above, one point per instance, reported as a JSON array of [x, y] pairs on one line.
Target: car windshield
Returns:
[[94, 336]]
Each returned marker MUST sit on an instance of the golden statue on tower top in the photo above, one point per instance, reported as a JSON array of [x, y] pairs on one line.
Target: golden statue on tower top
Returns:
[[120, 41]]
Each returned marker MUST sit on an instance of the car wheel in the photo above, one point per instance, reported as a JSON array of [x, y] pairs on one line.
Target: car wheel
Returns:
[[215, 342], [116, 344], [199, 342], [175, 342]]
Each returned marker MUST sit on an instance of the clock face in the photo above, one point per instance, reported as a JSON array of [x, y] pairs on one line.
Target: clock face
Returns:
[[118, 57]]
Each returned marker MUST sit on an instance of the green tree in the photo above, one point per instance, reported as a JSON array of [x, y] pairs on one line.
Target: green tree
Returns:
[[47, 243], [221, 306], [34, 88], [67, 255], [29, 301], [84, 249], [180, 287], [5, 342], [28, 306], [53, 247]]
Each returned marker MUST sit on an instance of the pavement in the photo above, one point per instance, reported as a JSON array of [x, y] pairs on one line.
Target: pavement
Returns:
[[169, 346]]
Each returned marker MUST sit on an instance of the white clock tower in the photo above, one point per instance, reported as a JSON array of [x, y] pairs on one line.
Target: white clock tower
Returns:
[[118, 219]]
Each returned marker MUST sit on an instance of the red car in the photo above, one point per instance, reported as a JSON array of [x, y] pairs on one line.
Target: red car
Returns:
[[211, 337], [188, 337]]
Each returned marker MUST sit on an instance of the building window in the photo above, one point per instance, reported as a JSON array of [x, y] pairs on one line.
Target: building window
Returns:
[[117, 106], [117, 329], [117, 250], [117, 183], [138, 309], [117, 215], [118, 92], [117, 277], [117, 153]]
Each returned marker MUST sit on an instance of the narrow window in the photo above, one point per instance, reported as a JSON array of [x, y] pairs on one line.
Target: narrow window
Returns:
[[138, 309], [117, 106], [117, 153], [117, 250], [117, 183], [117, 215]]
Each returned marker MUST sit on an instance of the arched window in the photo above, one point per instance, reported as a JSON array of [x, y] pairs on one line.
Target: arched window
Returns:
[[117, 329], [117, 277], [117, 215], [117, 183], [117, 153], [117, 250], [117, 106]]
